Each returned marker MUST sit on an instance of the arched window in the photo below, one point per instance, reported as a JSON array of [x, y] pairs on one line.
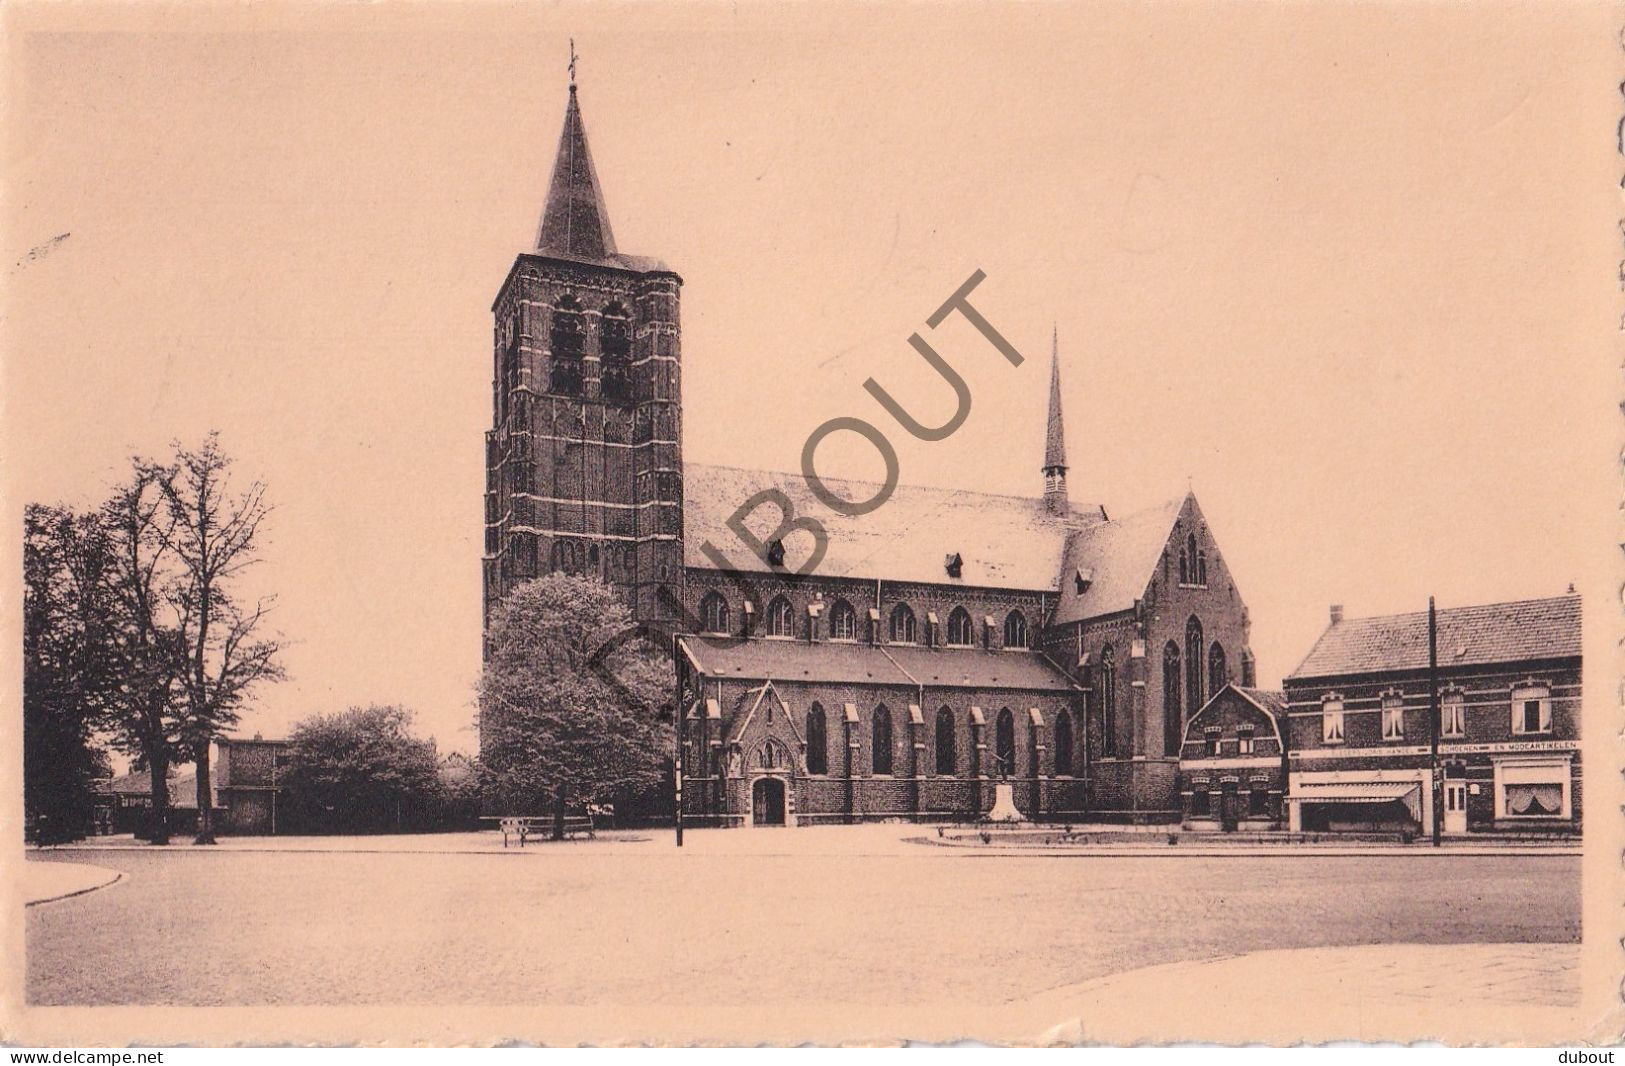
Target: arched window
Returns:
[[1184, 566], [902, 625], [1201, 567], [615, 354], [1218, 672], [947, 760], [1106, 694], [565, 347], [817, 741], [880, 740], [714, 613], [1193, 664], [961, 630], [1191, 573], [772, 756], [781, 618], [1015, 630], [1005, 743], [843, 621], [1063, 744], [1173, 714]]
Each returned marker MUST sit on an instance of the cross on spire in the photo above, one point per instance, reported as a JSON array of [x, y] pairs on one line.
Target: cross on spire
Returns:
[[572, 63]]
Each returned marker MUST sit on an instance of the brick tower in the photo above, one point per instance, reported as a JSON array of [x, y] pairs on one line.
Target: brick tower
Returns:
[[584, 458]]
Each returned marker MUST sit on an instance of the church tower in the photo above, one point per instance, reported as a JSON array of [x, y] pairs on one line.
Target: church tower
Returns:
[[1055, 498], [584, 458]]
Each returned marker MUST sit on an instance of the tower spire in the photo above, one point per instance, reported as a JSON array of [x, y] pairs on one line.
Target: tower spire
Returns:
[[1055, 497], [575, 223]]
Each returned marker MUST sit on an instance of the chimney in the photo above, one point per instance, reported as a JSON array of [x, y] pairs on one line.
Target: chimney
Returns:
[[1337, 613]]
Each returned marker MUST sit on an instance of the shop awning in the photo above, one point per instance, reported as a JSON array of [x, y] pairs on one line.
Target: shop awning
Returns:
[[1354, 792], [1408, 792]]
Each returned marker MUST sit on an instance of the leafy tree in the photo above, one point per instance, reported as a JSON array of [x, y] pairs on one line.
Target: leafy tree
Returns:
[[360, 771], [142, 646], [213, 533], [574, 706], [65, 668]]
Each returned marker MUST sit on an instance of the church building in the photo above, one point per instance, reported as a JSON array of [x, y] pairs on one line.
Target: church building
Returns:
[[946, 643]]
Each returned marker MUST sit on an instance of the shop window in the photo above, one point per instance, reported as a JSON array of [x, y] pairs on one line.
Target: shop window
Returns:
[[1533, 801]]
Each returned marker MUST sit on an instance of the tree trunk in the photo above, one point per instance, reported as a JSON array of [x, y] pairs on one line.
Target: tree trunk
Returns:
[[205, 792], [558, 815], [158, 769]]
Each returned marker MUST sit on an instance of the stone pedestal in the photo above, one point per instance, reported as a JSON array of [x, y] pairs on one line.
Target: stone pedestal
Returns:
[[1004, 805]]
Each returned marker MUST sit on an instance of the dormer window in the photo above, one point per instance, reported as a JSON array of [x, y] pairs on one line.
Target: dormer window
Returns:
[[1082, 578], [954, 564], [775, 553]]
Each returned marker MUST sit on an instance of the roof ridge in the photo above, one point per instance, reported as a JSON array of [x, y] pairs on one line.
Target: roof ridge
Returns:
[[1461, 609]]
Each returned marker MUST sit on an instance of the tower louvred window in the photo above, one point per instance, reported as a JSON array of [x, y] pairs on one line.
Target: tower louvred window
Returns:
[[615, 354], [565, 347]]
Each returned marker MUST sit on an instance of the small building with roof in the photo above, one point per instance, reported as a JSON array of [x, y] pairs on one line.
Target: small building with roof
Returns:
[[1360, 721], [1232, 766]]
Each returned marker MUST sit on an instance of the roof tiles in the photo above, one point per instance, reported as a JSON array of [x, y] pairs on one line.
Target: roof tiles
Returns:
[[1489, 633]]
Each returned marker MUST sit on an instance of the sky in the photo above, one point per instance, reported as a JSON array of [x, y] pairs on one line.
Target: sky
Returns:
[[1346, 271]]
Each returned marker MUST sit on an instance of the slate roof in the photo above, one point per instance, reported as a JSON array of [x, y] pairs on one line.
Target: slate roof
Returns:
[[1004, 541], [575, 222], [840, 662], [1468, 636], [1054, 429], [1120, 555], [1272, 701]]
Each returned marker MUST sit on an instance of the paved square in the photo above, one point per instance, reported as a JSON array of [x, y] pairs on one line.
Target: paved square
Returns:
[[840, 915]]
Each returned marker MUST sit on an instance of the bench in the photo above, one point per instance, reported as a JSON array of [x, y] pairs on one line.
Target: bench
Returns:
[[523, 827]]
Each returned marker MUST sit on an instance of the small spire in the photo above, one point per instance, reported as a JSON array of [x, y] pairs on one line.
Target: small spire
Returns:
[[575, 223], [1055, 496], [1055, 433]]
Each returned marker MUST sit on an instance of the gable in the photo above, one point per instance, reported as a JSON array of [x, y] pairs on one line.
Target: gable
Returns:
[[1119, 557]]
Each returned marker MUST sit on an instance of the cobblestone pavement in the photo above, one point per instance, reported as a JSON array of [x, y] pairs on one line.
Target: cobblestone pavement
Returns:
[[1477, 993]]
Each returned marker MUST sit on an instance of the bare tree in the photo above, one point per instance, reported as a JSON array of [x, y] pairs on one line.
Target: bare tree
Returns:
[[226, 652]]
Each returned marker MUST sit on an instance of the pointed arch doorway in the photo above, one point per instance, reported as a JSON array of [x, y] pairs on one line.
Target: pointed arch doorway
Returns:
[[767, 801]]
